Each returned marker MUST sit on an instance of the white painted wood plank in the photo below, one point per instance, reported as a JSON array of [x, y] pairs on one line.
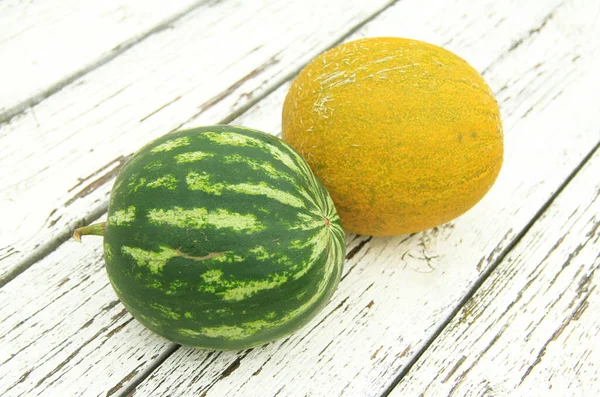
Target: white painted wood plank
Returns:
[[368, 264], [63, 330], [208, 65], [44, 362], [398, 291], [44, 43], [533, 326], [54, 316]]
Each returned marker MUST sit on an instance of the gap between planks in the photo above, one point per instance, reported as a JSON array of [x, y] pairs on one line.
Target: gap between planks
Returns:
[[101, 209], [51, 245], [19, 108], [484, 276], [130, 387], [515, 240]]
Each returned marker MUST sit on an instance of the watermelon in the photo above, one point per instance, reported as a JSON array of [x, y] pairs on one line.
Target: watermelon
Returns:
[[221, 237]]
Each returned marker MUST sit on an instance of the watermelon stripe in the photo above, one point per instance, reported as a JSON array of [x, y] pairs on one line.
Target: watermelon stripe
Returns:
[[135, 184], [153, 165], [197, 181], [166, 311], [122, 217], [198, 218], [168, 181], [170, 145], [155, 261], [191, 157], [265, 190], [234, 238], [265, 167], [237, 139]]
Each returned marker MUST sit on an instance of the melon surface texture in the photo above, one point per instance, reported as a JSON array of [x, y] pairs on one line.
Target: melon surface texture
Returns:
[[222, 238], [405, 135]]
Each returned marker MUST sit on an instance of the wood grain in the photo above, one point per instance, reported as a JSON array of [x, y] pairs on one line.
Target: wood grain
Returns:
[[69, 147], [56, 356], [397, 292], [46, 45], [532, 327], [64, 331], [55, 316]]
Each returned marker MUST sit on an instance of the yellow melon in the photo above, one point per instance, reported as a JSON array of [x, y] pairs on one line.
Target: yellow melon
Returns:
[[405, 135]]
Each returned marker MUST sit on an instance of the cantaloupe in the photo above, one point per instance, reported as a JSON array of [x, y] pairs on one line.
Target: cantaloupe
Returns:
[[405, 135]]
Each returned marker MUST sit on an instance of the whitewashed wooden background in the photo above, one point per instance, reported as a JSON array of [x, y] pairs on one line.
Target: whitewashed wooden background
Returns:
[[502, 301]]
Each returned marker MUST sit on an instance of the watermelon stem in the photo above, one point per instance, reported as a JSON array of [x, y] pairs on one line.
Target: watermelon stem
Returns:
[[96, 229]]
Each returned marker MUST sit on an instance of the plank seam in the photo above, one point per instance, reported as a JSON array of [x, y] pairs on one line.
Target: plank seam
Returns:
[[479, 282], [65, 234], [8, 114], [243, 109], [516, 44], [48, 247], [140, 376]]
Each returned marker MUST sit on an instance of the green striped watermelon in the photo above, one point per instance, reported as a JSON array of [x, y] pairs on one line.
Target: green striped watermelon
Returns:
[[221, 237]]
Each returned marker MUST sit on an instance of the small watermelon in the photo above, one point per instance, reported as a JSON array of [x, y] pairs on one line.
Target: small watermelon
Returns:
[[221, 237]]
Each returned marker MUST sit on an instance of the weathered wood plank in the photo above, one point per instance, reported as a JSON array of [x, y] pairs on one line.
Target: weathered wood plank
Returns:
[[41, 362], [45, 45], [413, 298], [54, 316], [398, 291], [69, 147], [533, 326], [63, 330]]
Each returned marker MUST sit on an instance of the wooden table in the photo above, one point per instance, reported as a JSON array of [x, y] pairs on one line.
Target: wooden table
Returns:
[[501, 301]]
